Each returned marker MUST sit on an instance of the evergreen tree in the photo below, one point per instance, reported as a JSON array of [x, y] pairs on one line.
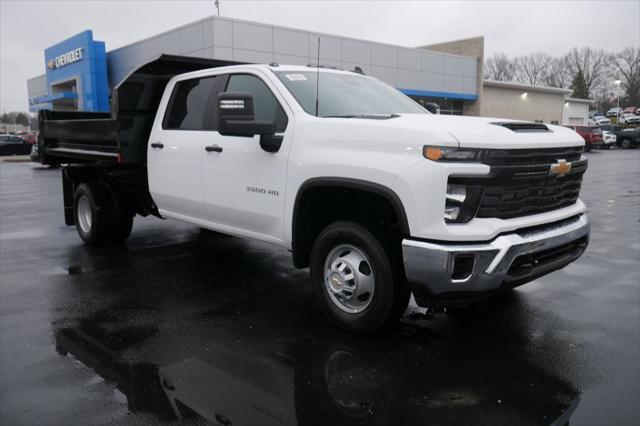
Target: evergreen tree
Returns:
[[579, 86]]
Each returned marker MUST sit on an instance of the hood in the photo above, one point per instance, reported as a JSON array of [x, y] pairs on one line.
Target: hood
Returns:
[[480, 132]]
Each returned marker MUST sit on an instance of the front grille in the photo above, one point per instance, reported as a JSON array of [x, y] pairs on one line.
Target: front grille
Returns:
[[519, 183], [538, 156]]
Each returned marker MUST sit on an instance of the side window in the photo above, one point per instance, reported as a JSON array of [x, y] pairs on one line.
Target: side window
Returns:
[[265, 104], [189, 103]]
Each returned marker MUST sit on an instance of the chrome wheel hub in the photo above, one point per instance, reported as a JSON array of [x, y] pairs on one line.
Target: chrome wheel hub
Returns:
[[349, 279], [84, 214]]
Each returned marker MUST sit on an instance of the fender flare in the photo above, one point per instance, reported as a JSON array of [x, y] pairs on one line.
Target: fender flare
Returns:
[[349, 183]]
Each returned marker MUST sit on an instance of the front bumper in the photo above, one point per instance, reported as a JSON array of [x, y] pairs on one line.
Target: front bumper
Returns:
[[452, 271]]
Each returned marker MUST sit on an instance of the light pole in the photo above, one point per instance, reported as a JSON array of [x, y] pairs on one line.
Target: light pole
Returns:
[[617, 83]]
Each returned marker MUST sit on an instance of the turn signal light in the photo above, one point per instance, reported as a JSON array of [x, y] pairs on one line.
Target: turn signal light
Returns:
[[432, 153]]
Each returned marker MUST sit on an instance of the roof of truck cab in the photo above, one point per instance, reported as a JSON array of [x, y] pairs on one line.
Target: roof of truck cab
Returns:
[[274, 68]]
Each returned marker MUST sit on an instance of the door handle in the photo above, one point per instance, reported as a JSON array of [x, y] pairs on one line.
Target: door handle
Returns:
[[213, 148], [157, 145]]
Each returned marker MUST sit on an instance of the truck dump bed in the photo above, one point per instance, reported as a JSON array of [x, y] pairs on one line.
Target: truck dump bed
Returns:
[[119, 136], [70, 136]]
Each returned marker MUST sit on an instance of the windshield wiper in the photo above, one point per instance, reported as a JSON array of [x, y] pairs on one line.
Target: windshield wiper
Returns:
[[366, 116]]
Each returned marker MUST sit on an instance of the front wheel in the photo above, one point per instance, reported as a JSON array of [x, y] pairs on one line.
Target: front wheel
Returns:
[[625, 143], [354, 280]]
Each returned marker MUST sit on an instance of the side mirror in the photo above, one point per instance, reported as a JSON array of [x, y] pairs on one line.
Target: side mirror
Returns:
[[432, 108], [235, 116]]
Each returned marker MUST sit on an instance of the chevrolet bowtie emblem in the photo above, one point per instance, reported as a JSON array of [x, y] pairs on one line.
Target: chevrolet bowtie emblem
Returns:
[[560, 168]]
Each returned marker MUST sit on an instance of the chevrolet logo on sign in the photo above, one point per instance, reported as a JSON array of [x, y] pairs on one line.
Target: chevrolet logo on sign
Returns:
[[65, 59], [560, 168]]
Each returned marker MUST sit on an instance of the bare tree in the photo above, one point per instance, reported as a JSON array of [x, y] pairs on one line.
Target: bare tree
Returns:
[[533, 69], [626, 68], [593, 64], [500, 68], [559, 74]]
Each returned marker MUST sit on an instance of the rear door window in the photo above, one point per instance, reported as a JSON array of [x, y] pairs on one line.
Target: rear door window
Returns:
[[190, 104]]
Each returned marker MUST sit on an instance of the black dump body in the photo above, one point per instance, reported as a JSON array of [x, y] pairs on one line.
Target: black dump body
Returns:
[[120, 136]]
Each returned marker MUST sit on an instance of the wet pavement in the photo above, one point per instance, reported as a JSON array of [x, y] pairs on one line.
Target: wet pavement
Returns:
[[187, 326]]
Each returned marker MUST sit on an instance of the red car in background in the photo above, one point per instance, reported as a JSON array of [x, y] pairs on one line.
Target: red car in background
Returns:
[[29, 138], [592, 136], [631, 109]]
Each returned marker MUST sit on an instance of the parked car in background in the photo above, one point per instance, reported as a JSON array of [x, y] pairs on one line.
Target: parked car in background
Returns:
[[628, 138], [609, 138], [628, 118], [614, 128], [35, 154], [599, 120], [29, 138], [592, 136], [595, 114], [613, 112], [631, 110], [13, 145]]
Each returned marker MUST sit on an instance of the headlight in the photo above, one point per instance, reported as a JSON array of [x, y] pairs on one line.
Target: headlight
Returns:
[[462, 202], [437, 153]]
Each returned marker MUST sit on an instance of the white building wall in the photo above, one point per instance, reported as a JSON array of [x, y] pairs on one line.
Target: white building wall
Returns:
[[507, 102], [575, 112]]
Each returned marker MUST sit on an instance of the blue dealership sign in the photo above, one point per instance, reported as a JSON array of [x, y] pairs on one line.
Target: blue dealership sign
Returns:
[[76, 76]]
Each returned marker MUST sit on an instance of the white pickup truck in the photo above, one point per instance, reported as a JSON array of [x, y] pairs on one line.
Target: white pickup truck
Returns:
[[379, 197]]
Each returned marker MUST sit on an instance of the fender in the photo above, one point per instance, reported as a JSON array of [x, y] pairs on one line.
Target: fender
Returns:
[[349, 183]]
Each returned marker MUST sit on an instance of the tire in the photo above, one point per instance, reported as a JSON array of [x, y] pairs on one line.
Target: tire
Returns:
[[374, 297], [120, 216], [625, 143], [91, 213], [607, 146], [587, 147]]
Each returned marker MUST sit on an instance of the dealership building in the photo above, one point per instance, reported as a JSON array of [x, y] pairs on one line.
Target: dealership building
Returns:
[[81, 74]]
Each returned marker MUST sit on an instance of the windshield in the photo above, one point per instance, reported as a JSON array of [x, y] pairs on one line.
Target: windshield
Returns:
[[346, 95]]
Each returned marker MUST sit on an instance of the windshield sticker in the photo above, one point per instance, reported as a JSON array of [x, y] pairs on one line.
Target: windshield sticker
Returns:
[[296, 77]]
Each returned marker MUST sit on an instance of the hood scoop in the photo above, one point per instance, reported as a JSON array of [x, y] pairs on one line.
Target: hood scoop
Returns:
[[523, 127]]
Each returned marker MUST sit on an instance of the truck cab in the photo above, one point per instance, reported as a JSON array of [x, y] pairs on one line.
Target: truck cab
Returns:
[[378, 197]]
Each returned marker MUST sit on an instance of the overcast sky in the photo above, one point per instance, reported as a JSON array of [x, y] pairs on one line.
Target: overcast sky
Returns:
[[514, 27]]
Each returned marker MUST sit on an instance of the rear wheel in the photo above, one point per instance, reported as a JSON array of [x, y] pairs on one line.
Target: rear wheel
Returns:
[[354, 280], [625, 143], [91, 207]]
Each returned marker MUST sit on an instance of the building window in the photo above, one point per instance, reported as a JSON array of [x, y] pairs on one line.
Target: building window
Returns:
[[554, 122]]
